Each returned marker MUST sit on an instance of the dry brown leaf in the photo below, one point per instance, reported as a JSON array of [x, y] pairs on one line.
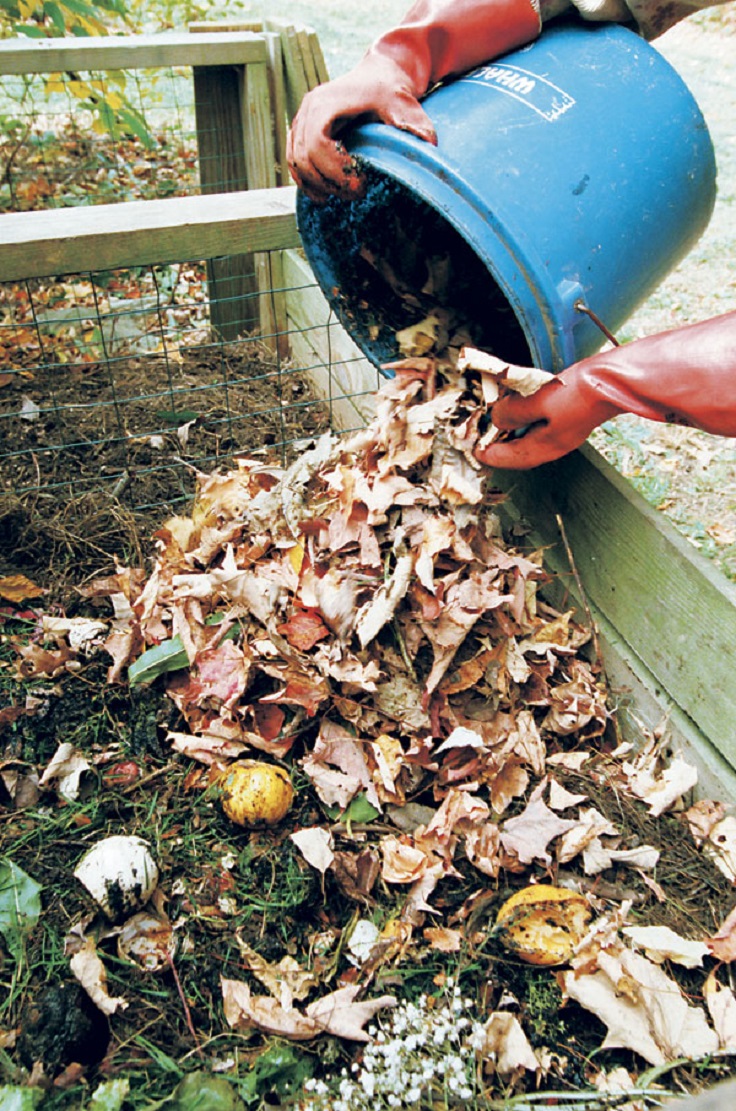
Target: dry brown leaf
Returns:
[[721, 1004], [723, 943], [642, 1008], [444, 939], [403, 862], [702, 816], [316, 846], [528, 835], [91, 973], [509, 783], [506, 1044], [286, 980], [590, 826], [18, 588], [660, 943], [337, 1013], [562, 799], [65, 770], [721, 846], [659, 788]]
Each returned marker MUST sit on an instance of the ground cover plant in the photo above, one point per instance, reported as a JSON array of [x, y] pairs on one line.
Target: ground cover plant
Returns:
[[478, 891]]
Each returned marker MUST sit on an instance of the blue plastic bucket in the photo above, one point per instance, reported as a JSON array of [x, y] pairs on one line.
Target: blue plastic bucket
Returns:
[[574, 173]]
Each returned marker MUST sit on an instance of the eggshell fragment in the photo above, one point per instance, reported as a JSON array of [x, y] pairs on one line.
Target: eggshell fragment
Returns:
[[119, 873]]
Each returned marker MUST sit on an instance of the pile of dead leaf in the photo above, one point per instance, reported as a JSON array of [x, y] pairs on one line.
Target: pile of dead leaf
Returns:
[[358, 619]]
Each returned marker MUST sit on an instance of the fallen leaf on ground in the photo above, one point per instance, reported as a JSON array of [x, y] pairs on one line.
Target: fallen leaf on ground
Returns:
[[338, 1013], [721, 1004], [723, 943], [660, 788], [17, 588], [506, 1044], [286, 979], [65, 771], [91, 973], [528, 835], [720, 846], [642, 1008], [316, 846], [660, 944]]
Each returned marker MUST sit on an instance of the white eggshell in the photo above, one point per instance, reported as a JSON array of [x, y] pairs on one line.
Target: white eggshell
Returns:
[[119, 873]]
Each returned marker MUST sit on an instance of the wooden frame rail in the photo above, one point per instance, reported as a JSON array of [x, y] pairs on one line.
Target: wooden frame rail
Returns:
[[168, 48]]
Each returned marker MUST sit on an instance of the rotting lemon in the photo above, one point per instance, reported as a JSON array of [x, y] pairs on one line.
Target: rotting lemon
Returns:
[[254, 793], [542, 924]]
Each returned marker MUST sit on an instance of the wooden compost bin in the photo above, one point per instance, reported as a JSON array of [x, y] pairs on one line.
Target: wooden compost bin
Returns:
[[666, 617]]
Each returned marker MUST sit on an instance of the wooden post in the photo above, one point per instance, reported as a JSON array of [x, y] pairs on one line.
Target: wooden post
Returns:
[[260, 160], [243, 294], [222, 169]]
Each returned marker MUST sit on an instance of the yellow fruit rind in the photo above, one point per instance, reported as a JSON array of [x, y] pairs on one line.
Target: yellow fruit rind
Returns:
[[542, 924], [255, 793]]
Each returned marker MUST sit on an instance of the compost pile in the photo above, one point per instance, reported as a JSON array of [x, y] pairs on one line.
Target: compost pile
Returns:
[[359, 621], [360, 617]]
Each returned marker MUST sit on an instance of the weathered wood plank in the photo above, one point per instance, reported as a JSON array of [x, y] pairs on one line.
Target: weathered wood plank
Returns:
[[176, 48], [673, 610], [305, 47], [278, 104], [295, 78], [260, 162], [272, 265], [140, 233], [228, 25], [319, 59], [339, 371]]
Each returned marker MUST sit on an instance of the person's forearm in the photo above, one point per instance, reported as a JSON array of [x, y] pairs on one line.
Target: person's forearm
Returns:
[[651, 17]]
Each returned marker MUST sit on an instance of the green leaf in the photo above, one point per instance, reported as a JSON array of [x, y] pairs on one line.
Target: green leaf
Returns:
[[56, 15], [168, 656], [14, 1098], [109, 1096], [178, 417], [136, 125], [358, 810], [20, 905], [280, 1069], [30, 32], [202, 1091]]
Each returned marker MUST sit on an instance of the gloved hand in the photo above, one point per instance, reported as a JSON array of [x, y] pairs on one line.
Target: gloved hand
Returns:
[[436, 38], [686, 376]]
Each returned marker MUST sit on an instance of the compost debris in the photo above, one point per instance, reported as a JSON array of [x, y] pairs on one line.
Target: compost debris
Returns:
[[359, 618]]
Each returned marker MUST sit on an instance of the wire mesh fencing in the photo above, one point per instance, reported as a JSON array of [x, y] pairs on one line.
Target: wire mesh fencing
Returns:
[[140, 345], [116, 381], [96, 137]]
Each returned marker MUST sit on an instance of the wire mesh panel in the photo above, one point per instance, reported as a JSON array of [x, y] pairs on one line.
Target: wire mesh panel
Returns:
[[142, 342], [116, 390], [96, 137], [114, 380]]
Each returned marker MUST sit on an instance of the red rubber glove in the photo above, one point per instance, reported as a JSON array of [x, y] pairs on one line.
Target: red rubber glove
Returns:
[[687, 376], [436, 38]]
